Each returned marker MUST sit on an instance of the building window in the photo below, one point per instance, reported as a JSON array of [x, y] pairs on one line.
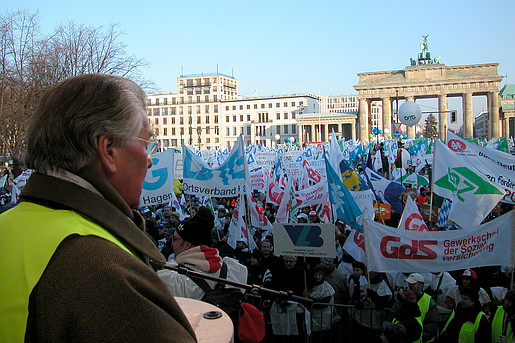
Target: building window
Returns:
[[206, 109], [181, 111], [285, 104], [241, 107], [216, 119], [165, 121], [293, 115], [174, 142], [228, 131], [165, 131], [227, 119], [207, 130], [173, 131], [155, 111], [277, 104], [198, 120], [248, 107], [278, 115], [286, 129], [227, 108], [285, 115], [182, 131], [189, 109], [172, 110], [215, 98], [262, 105], [207, 119], [182, 100], [279, 129], [173, 120], [198, 109], [234, 132], [208, 140], [215, 108], [293, 104], [241, 117], [164, 111], [293, 129], [198, 98], [174, 101], [156, 121], [182, 121], [248, 130], [234, 118], [157, 101], [234, 108], [270, 105], [248, 117], [301, 103], [255, 106]]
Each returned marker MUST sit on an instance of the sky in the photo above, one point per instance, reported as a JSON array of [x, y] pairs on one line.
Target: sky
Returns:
[[288, 47]]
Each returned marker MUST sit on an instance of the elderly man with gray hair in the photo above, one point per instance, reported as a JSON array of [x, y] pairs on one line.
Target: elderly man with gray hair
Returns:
[[75, 258]]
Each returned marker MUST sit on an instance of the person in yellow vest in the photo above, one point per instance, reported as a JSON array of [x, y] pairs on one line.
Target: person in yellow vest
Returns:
[[503, 320], [467, 323], [75, 261], [429, 317]]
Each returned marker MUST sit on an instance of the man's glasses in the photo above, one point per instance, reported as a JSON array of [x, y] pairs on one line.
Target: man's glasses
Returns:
[[151, 147]]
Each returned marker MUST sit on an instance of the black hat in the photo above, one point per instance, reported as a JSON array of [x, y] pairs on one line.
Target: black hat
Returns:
[[197, 230]]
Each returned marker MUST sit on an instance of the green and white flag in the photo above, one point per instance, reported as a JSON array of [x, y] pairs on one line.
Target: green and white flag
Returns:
[[473, 196]]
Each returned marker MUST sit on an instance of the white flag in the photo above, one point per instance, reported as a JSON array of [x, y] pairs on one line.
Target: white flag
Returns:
[[473, 196], [411, 218]]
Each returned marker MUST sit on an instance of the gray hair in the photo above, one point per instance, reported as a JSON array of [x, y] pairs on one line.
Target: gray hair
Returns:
[[72, 115]]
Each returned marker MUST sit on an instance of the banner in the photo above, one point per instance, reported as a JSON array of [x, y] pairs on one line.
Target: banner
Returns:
[[158, 184], [309, 240], [222, 182], [392, 250], [257, 180], [411, 218], [497, 166], [472, 195]]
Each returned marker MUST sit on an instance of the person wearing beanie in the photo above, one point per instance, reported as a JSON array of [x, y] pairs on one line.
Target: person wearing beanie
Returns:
[[407, 313], [467, 322], [468, 279], [503, 320], [192, 249]]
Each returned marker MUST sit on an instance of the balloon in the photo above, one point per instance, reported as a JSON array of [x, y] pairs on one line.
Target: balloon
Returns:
[[410, 113], [380, 132], [287, 139], [375, 131], [370, 135], [421, 136], [404, 136], [297, 143], [292, 139], [386, 130]]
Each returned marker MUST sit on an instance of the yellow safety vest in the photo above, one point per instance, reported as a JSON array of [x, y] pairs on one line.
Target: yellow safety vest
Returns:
[[468, 329], [423, 305], [29, 236], [497, 326]]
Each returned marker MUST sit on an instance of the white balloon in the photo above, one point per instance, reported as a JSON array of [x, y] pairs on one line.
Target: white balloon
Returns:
[[410, 113]]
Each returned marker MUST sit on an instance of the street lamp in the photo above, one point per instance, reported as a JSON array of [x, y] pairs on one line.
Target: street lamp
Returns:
[[199, 132]]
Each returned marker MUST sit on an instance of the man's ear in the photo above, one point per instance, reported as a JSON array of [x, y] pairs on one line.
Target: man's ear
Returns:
[[107, 152]]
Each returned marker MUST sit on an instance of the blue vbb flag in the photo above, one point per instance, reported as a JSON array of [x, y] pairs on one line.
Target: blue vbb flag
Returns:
[[345, 206], [384, 189], [202, 180]]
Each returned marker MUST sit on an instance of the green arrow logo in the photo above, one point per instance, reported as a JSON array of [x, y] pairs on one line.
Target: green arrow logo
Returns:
[[461, 180]]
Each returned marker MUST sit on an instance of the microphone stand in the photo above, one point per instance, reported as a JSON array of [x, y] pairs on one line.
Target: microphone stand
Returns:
[[253, 289]]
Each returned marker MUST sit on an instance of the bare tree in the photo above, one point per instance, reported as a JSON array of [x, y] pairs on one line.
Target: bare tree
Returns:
[[31, 62]]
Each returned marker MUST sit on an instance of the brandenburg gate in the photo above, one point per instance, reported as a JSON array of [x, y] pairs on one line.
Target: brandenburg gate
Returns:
[[428, 78]]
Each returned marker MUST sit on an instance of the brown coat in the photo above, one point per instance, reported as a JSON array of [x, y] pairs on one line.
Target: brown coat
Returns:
[[92, 290]]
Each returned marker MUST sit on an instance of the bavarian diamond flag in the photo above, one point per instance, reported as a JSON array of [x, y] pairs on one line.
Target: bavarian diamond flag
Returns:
[[473, 196]]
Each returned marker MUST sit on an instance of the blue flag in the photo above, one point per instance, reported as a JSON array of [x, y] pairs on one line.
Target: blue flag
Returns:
[[340, 197]]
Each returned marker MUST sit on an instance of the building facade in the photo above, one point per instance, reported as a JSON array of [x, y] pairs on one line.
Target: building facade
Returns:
[[208, 111]]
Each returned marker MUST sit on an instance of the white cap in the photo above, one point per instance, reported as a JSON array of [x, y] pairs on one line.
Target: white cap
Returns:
[[414, 278], [303, 216]]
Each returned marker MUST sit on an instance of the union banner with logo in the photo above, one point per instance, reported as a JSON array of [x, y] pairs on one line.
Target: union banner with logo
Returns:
[[392, 250], [309, 240]]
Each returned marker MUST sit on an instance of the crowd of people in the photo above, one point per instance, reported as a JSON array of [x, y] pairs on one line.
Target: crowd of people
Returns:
[[350, 302], [82, 262]]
